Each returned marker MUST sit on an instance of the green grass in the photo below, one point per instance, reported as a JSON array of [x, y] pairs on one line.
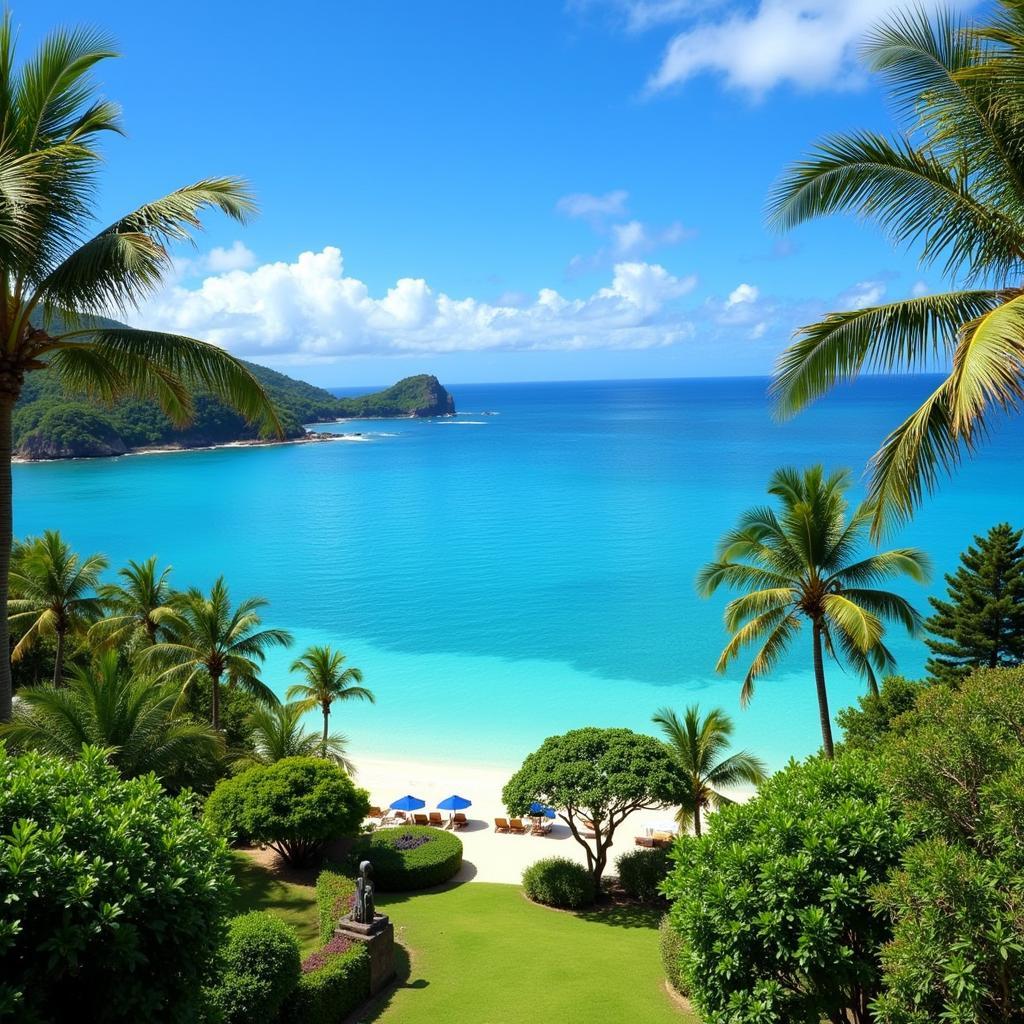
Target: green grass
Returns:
[[295, 904]]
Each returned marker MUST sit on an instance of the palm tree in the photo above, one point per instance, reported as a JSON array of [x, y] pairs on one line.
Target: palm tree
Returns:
[[107, 706], [277, 733], [58, 272], [698, 745], [210, 640], [135, 608], [803, 564], [326, 682], [54, 594], [950, 183]]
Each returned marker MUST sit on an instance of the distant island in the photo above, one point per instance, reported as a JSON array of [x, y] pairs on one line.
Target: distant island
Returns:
[[50, 423]]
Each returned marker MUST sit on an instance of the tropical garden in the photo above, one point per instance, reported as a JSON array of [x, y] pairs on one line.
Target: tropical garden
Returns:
[[144, 756]]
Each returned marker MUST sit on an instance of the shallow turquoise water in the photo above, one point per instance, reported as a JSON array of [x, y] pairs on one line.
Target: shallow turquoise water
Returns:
[[500, 578]]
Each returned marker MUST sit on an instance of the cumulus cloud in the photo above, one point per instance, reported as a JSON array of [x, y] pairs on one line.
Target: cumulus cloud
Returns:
[[742, 293], [810, 44], [311, 308], [862, 294], [587, 206], [237, 257]]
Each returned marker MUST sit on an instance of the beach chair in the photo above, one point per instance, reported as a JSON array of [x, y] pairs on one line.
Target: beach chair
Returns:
[[501, 825], [662, 839], [420, 819], [541, 828], [375, 812], [516, 825], [459, 820], [645, 841], [588, 829], [436, 819]]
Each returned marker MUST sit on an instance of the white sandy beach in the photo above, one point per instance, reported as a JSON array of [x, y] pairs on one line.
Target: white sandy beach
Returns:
[[489, 856]]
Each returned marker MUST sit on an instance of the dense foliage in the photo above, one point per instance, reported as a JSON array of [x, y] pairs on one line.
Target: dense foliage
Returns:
[[642, 872], [980, 624], [333, 990], [335, 897], [670, 945], [409, 857], [559, 882], [295, 806], [873, 718], [115, 895], [774, 903], [595, 778], [259, 967]]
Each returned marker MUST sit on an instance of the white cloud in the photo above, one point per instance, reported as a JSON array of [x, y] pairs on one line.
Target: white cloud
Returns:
[[863, 293], [310, 308], [634, 238], [742, 293], [919, 289], [237, 257], [807, 43], [585, 205]]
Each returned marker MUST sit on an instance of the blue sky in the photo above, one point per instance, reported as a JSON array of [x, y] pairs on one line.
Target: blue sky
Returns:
[[517, 191]]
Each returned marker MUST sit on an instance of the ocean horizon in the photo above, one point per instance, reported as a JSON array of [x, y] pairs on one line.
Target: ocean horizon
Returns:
[[526, 566]]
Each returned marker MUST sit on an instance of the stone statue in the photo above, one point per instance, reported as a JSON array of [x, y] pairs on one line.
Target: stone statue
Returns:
[[364, 910]]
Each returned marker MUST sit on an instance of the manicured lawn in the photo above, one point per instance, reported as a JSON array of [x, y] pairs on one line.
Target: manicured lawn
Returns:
[[296, 904]]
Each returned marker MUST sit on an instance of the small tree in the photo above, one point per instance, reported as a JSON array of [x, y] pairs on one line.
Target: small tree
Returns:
[[115, 895], [865, 725], [981, 624], [295, 806], [595, 778], [774, 905]]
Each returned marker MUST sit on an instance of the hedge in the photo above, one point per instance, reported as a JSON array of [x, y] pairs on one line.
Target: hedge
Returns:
[[431, 857], [559, 882], [641, 873], [671, 944], [328, 994], [335, 894]]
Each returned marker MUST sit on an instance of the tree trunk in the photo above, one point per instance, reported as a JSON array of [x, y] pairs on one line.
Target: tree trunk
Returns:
[[6, 539], [819, 681], [215, 702], [58, 660], [327, 710], [696, 818]]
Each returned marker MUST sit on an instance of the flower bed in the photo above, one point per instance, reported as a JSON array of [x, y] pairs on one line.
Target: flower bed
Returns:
[[409, 857]]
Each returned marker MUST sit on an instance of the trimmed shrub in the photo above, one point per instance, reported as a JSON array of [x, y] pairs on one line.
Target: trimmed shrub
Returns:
[[114, 896], [296, 806], [641, 873], [409, 857], [335, 896], [671, 944], [260, 967], [329, 993], [559, 882]]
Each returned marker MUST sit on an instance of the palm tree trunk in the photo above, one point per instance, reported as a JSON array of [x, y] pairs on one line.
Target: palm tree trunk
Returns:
[[215, 702], [58, 660], [819, 681], [327, 710], [6, 539], [696, 818]]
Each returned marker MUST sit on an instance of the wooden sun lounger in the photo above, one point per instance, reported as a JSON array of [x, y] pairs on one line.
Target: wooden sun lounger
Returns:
[[436, 819], [516, 825], [459, 820], [420, 819], [501, 825], [375, 812]]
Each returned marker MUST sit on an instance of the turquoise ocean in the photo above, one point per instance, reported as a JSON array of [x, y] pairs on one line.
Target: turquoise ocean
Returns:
[[503, 577]]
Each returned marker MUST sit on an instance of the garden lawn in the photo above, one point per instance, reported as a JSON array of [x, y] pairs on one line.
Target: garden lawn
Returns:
[[295, 904]]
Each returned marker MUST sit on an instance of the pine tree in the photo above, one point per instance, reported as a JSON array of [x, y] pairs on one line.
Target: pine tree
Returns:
[[982, 621]]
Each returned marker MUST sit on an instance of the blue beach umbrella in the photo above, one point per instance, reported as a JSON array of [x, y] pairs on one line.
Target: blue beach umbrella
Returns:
[[454, 803], [541, 810], [408, 803]]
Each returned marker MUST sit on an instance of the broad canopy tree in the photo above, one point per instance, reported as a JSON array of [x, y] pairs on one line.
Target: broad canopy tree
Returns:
[[595, 778]]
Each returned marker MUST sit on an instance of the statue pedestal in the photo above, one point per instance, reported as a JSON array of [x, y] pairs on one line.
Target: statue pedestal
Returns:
[[379, 939]]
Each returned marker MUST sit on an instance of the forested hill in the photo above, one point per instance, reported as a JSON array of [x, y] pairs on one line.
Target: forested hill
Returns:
[[50, 423]]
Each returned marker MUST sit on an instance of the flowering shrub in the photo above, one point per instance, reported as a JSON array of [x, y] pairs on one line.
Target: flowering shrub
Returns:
[[336, 944], [408, 857]]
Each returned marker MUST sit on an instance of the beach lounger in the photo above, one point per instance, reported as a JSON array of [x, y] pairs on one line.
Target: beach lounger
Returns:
[[662, 838], [420, 819], [501, 825], [375, 812], [516, 825], [541, 828], [645, 841], [459, 821], [588, 829], [436, 819]]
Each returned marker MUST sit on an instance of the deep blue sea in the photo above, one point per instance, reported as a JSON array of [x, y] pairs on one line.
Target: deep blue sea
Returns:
[[500, 578]]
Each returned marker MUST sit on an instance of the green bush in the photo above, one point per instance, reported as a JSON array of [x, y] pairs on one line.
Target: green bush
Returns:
[[559, 882], [334, 896], [114, 896], [641, 873], [260, 966], [671, 944], [296, 806], [330, 993], [408, 857]]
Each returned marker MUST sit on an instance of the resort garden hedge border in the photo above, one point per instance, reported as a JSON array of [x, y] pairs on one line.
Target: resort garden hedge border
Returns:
[[335, 896], [671, 945], [559, 882], [435, 861], [332, 990], [641, 873]]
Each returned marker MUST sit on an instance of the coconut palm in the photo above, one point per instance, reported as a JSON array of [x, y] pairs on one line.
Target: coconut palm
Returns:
[[135, 607], [107, 705], [209, 641], [951, 184], [699, 747], [327, 682], [54, 594], [59, 269], [277, 733], [804, 564]]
